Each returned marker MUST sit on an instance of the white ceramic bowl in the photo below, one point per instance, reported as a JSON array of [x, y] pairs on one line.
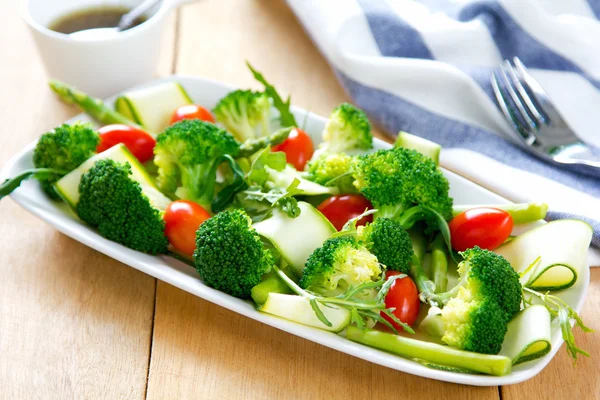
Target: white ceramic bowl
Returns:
[[99, 67]]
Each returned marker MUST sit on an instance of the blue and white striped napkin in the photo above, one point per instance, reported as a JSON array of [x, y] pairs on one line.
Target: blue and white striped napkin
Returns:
[[424, 67]]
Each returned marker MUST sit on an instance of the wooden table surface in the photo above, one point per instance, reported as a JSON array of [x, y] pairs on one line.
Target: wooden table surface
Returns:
[[76, 324]]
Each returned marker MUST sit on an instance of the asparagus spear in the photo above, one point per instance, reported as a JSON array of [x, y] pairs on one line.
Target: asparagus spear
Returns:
[[431, 352], [439, 264], [251, 146], [95, 108]]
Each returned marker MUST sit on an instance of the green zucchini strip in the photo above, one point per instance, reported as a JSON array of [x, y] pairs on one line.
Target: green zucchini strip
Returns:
[[562, 248], [528, 336]]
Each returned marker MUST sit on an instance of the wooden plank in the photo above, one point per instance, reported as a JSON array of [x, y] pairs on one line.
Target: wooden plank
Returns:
[[73, 323], [561, 379], [203, 351]]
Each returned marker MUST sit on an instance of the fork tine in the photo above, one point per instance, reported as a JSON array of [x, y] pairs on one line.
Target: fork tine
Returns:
[[510, 116], [532, 110], [522, 111], [539, 95]]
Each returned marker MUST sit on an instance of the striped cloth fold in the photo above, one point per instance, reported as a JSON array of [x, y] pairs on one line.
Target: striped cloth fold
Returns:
[[424, 67]]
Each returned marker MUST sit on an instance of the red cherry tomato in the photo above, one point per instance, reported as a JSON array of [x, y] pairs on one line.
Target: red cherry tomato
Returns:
[[485, 227], [192, 111], [340, 209], [140, 143], [298, 148], [404, 297], [182, 220]]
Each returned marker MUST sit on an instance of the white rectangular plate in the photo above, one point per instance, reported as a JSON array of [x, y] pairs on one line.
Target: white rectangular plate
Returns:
[[178, 274]]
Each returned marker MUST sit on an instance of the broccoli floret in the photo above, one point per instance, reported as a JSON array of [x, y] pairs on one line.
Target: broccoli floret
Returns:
[[389, 242], [229, 255], [476, 311], [348, 129], [187, 155], [64, 149], [494, 277], [115, 204], [332, 170], [341, 263], [474, 323], [246, 114], [397, 179]]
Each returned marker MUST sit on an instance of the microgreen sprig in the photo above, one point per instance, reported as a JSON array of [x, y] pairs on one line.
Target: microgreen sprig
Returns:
[[359, 308]]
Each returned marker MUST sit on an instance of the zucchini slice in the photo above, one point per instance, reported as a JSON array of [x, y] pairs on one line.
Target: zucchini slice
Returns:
[[423, 146], [529, 336], [68, 186], [296, 238], [298, 309], [152, 107], [562, 248]]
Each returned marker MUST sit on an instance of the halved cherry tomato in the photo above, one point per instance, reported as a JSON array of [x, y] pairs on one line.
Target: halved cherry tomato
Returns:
[[298, 148], [404, 297], [182, 220], [340, 209], [192, 111], [485, 227], [140, 143]]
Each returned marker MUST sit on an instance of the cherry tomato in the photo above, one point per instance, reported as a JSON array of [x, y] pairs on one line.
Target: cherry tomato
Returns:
[[298, 148], [182, 220], [192, 111], [140, 143], [340, 209], [404, 297], [485, 227]]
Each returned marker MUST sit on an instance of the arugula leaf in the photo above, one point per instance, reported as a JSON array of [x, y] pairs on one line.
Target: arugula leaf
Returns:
[[286, 117], [282, 198], [224, 198], [266, 158], [41, 174]]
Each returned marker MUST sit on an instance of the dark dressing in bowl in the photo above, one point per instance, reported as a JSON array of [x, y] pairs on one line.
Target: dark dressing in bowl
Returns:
[[91, 18]]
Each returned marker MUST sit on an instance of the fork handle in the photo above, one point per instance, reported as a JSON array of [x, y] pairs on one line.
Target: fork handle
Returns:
[[583, 168], [579, 157]]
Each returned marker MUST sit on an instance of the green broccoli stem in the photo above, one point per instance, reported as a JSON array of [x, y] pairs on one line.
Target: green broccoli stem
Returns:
[[392, 212], [90, 105], [424, 284], [521, 213], [439, 264], [41, 174], [431, 352], [251, 146], [419, 242], [198, 183], [271, 283]]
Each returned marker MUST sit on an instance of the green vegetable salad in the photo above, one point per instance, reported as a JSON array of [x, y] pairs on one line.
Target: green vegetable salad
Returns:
[[367, 244]]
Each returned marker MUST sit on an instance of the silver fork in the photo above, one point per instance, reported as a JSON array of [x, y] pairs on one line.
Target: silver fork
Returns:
[[538, 125]]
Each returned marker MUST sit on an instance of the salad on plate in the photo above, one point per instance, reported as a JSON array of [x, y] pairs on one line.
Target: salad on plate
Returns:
[[366, 244]]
